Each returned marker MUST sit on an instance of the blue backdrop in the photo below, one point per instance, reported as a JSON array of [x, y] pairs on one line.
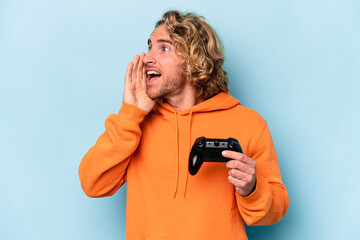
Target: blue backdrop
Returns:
[[62, 67]]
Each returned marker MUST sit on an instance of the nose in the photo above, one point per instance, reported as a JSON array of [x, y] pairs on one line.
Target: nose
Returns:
[[149, 58]]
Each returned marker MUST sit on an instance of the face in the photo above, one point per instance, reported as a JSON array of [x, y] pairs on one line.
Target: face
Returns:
[[164, 71]]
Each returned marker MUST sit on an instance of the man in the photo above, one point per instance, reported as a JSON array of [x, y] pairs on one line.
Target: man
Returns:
[[174, 94]]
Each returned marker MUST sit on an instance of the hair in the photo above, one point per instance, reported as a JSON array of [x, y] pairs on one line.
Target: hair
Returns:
[[201, 49]]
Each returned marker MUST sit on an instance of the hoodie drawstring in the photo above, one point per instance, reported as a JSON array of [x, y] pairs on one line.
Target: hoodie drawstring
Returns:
[[177, 154], [177, 163], [187, 174]]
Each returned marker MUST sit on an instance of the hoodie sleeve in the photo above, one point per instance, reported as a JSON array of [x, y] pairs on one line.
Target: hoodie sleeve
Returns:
[[269, 201], [102, 170]]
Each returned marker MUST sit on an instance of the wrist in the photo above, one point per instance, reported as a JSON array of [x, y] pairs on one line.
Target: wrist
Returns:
[[253, 189]]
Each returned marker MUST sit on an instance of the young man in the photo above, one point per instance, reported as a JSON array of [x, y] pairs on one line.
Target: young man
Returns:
[[174, 94]]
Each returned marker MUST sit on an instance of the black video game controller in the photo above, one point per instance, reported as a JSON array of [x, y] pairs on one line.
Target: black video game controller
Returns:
[[209, 150]]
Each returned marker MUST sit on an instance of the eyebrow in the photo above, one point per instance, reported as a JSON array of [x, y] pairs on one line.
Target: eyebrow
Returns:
[[161, 40]]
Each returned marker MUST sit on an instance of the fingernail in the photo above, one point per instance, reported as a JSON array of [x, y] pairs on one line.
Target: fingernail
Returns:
[[224, 153]]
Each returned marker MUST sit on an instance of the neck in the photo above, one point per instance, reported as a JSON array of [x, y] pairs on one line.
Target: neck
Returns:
[[184, 101]]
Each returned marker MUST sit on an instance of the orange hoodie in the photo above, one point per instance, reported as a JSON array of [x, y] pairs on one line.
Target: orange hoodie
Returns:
[[151, 153]]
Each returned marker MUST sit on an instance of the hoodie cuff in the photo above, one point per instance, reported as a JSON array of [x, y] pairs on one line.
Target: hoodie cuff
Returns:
[[131, 111], [261, 194]]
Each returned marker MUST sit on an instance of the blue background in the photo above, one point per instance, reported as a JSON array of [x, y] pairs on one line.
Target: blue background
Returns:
[[62, 67]]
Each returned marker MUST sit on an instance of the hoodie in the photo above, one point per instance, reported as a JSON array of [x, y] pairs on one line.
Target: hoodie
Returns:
[[151, 153]]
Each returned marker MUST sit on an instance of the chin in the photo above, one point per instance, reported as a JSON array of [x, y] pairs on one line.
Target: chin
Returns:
[[153, 96], [156, 95]]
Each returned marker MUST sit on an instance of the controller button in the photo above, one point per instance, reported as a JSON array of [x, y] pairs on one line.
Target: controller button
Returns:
[[232, 144]]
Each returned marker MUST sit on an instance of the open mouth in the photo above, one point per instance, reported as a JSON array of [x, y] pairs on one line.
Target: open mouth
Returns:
[[152, 75]]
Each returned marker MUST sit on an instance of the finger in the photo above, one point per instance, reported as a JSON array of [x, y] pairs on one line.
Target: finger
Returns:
[[237, 156], [144, 75], [134, 70], [141, 63], [240, 175], [140, 69], [240, 166], [128, 73], [236, 164], [235, 173], [236, 182]]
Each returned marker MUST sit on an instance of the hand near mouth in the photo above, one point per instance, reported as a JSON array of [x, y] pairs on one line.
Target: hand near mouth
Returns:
[[135, 85]]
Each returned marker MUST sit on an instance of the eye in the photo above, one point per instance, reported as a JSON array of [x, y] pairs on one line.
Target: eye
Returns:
[[165, 49]]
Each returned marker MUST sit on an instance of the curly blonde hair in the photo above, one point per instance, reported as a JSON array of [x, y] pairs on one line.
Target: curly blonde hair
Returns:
[[200, 47]]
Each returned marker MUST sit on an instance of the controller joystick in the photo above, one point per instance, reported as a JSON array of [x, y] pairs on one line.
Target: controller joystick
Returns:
[[200, 142], [209, 150]]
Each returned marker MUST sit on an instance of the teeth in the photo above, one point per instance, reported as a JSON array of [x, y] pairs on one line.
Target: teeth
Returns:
[[152, 72]]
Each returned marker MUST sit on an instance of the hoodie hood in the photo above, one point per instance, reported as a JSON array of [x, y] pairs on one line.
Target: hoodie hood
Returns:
[[221, 101]]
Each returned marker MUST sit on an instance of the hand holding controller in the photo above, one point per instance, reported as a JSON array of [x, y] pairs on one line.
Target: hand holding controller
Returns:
[[209, 150]]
